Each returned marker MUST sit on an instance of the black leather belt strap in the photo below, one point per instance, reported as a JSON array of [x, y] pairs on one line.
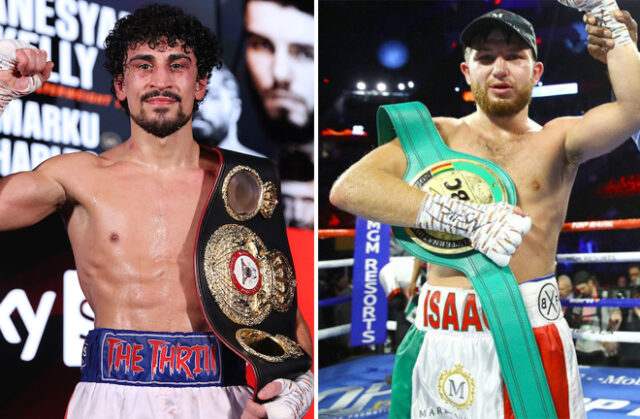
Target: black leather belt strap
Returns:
[[244, 269]]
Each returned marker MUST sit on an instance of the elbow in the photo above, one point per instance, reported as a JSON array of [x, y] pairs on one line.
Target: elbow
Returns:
[[341, 194], [337, 194]]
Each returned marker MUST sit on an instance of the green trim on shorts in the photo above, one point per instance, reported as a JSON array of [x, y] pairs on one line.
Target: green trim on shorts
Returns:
[[406, 356]]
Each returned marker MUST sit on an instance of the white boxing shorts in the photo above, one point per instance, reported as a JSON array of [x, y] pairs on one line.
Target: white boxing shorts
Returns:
[[130, 374], [447, 367]]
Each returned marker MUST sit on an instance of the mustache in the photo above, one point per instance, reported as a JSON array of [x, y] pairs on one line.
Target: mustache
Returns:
[[156, 93]]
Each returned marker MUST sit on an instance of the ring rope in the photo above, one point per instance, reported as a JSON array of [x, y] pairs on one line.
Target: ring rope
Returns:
[[625, 337], [336, 300], [601, 302], [596, 225], [603, 257], [566, 302], [344, 329]]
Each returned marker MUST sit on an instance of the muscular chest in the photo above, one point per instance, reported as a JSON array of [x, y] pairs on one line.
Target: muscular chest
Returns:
[[146, 216], [528, 165]]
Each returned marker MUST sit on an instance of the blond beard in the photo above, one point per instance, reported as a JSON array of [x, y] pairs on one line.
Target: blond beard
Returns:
[[502, 107]]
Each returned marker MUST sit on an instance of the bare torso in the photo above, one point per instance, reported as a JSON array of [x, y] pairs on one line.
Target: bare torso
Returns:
[[536, 162], [132, 228]]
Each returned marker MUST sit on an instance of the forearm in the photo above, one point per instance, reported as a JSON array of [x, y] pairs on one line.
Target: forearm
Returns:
[[377, 195], [623, 63]]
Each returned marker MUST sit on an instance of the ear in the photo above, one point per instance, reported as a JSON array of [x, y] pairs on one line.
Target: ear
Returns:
[[201, 88], [118, 84], [464, 68], [538, 69]]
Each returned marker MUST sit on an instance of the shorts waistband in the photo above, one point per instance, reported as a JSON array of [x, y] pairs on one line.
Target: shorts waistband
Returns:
[[459, 310], [130, 357]]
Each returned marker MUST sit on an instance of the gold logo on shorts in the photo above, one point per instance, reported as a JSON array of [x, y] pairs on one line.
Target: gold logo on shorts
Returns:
[[457, 387]]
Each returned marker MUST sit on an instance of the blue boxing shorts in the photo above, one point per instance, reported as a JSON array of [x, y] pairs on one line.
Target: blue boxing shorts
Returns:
[[130, 374]]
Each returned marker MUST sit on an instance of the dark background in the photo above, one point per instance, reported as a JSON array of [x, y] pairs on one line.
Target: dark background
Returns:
[[350, 35], [34, 259]]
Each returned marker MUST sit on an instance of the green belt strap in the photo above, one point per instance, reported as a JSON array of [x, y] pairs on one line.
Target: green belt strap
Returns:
[[427, 157]]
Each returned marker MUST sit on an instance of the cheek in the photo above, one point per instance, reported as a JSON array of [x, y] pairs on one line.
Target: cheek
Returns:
[[304, 82], [259, 66]]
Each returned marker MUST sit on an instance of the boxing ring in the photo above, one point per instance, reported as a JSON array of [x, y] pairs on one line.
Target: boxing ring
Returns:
[[359, 388]]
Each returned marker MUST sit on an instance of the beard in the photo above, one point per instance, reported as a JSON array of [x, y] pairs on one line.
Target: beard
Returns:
[[161, 126], [279, 129], [502, 107]]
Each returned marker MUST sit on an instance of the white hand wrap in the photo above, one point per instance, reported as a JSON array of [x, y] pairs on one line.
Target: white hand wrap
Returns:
[[294, 400], [8, 48], [494, 229], [603, 11]]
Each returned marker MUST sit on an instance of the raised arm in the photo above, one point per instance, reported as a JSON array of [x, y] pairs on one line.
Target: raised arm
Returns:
[[605, 127], [27, 197]]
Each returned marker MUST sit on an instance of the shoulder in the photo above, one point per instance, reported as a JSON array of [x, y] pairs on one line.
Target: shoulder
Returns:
[[448, 123], [564, 123], [71, 162]]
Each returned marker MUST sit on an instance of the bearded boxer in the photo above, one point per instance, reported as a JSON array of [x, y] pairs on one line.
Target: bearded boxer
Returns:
[[132, 216], [500, 63]]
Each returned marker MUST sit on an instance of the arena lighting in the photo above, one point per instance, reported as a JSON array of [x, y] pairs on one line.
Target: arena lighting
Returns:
[[393, 54], [540, 91], [410, 84], [555, 90], [361, 85], [457, 89], [401, 86], [381, 87]]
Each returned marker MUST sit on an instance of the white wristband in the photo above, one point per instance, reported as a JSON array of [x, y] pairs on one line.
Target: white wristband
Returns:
[[294, 399], [8, 48], [494, 229], [603, 11]]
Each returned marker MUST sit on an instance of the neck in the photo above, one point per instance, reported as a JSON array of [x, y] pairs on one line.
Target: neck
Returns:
[[176, 150], [513, 124]]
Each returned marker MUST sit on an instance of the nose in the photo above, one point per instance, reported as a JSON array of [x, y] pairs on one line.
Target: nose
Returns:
[[161, 78], [282, 65], [499, 67]]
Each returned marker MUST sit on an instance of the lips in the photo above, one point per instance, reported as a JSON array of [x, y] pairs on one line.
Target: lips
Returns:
[[157, 97], [161, 101], [501, 88]]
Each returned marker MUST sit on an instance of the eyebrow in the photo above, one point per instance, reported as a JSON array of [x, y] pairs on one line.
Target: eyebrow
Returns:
[[150, 57], [266, 38], [249, 33]]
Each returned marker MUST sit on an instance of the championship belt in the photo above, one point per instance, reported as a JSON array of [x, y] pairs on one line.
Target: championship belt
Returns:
[[435, 168], [244, 272]]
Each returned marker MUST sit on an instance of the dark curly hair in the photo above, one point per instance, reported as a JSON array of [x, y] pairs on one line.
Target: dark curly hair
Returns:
[[153, 24]]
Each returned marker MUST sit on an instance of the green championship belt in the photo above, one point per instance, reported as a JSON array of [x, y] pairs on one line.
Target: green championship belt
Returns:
[[433, 167]]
